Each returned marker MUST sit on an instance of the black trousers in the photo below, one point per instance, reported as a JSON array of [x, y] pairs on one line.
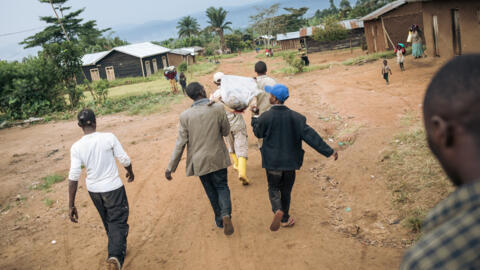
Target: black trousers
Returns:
[[113, 209], [218, 192], [280, 184]]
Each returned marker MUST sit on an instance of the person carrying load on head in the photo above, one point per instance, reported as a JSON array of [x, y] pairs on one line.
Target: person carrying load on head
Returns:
[[171, 75], [237, 140]]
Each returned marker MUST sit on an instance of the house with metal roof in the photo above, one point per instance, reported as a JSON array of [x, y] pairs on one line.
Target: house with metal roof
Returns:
[[177, 56], [303, 37], [389, 24], [134, 60], [448, 27]]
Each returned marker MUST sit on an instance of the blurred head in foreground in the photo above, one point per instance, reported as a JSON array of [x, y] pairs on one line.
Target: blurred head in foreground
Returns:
[[451, 112]]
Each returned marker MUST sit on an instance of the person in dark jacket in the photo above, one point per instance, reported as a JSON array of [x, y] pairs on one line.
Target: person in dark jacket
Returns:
[[183, 82], [283, 131]]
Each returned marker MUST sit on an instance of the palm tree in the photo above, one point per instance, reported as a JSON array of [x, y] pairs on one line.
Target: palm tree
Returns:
[[216, 19], [187, 27]]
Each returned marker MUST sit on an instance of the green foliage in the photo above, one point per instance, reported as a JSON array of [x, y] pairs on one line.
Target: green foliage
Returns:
[[30, 88], [98, 90], [294, 62], [73, 26], [292, 21], [49, 181], [187, 27], [217, 21], [182, 67], [48, 202], [331, 31], [66, 58]]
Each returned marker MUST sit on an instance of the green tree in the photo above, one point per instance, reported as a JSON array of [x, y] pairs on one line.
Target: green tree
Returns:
[[330, 31], [345, 8], [292, 21], [64, 27], [264, 22], [217, 20], [66, 58], [187, 27]]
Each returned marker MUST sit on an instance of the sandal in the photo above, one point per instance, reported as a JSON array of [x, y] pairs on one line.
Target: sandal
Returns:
[[289, 223]]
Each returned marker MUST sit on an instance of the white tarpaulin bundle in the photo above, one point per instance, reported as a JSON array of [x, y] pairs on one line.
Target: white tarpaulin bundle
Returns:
[[238, 91]]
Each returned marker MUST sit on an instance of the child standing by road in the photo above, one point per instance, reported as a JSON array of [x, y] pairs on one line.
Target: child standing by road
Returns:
[[283, 131], [385, 70], [400, 51]]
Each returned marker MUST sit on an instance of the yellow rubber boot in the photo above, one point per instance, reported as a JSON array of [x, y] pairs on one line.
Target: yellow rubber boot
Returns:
[[235, 160], [242, 171]]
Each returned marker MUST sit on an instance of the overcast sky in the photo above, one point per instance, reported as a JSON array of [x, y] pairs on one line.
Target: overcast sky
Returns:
[[22, 15]]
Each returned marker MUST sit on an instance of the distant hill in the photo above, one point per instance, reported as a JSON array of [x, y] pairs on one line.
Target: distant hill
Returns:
[[239, 16]]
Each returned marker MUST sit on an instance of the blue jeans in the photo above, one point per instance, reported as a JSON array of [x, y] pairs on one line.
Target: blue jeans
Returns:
[[216, 187]]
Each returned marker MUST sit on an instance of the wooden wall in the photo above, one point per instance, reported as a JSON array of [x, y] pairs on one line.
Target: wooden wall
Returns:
[[177, 59], [397, 23], [469, 12], [290, 44], [124, 65]]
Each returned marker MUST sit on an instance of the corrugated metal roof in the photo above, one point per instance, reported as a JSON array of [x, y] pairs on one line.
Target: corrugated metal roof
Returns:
[[387, 8], [180, 51], [93, 58], [352, 24], [141, 50], [308, 31], [287, 36]]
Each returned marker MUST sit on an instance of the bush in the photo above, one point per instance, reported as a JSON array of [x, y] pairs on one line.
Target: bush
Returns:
[[294, 62], [182, 67], [30, 88], [331, 31]]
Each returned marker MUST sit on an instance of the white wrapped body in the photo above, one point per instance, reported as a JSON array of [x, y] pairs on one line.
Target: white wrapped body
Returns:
[[238, 91]]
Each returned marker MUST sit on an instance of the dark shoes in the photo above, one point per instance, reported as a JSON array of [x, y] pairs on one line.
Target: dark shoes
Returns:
[[277, 218], [227, 225]]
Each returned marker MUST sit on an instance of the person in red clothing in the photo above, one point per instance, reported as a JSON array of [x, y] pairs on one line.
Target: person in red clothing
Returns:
[[171, 74]]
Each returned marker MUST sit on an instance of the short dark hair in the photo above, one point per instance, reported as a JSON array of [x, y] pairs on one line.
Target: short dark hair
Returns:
[[86, 117], [454, 93], [261, 67], [195, 91]]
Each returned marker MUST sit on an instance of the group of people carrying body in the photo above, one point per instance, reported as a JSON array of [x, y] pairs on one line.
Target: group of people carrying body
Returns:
[[452, 120]]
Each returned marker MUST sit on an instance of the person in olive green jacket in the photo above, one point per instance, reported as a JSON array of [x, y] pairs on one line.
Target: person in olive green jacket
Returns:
[[202, 128]]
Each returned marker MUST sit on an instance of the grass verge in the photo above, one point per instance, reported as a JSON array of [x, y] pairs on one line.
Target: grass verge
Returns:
[[48, 202], [291, 71], [372, 57], [48, 181], [414, 176]]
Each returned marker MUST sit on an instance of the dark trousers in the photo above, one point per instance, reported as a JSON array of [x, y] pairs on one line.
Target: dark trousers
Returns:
[[216, 187], [280, 184], [113, 209]]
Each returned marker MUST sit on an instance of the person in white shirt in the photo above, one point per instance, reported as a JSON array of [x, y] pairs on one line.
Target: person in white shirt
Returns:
[[96, 151]]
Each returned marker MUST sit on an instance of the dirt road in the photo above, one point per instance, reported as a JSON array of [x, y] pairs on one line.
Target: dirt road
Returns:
[[343, 209]]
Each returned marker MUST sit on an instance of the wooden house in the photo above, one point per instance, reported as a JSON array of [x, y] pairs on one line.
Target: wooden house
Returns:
[[134, 60], [389, 24], [451, 27], [303, 38], [177, 56], [289, 41], [355, 37]]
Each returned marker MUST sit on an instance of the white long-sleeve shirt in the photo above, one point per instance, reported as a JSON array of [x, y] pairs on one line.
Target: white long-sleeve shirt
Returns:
[[97, 152]]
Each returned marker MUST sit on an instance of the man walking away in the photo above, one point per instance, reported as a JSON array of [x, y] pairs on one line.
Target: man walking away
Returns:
[[96, 151], [237, 140], [202, 128], [283, 131], [451, 111]]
